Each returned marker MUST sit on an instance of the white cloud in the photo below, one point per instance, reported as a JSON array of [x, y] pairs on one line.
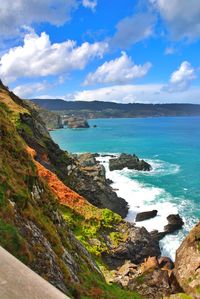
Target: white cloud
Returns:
[[27, 90], [133, 29], [15, 14], [182, 17], [38, 57], [119, 70], [117, 93], [90, 4], [181, 79], [146, 93]]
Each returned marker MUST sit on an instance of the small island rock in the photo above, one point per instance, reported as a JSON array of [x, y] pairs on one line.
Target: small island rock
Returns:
[[146, 215], [175, 222], [129, 161], [77, 122]]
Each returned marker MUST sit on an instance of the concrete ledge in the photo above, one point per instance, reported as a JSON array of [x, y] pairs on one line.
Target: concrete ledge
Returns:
[[17, 281]]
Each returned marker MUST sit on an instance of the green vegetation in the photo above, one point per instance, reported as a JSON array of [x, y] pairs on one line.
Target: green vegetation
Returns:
[[29, 215], [198, 290], [184, 296], [13, 242], [105, 291], [91, 231], [140, 279], [95, 288]]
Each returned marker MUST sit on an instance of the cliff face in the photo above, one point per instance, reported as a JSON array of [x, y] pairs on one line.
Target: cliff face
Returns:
[[187, 267], [60, 234], [67, 167], [32, 226], [51, 119]]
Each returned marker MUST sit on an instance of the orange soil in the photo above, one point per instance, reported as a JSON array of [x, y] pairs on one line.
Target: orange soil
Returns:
[[65, 195]]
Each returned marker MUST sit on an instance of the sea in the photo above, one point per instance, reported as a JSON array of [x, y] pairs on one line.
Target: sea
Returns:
[[171, 145]]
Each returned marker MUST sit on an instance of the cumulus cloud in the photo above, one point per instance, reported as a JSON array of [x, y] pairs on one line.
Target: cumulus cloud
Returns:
[[182, 17], [27, 90], [145, 93], [119, 70], [15, 14], [38, 57], [118, 93], [181, 79], [133, 29], [90, 4]]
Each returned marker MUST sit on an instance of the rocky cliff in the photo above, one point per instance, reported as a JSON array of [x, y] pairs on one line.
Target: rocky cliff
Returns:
[[51, 119], [54, 217], [32, 226], [187, 267]]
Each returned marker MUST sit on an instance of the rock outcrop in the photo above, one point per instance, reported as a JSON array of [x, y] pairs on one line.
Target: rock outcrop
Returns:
[[175, 223], [90, 181], [146, 215], [87, 159], [187, 265], [150, 278], [129, 161], [76, 122], [138, 246], [51, 119]]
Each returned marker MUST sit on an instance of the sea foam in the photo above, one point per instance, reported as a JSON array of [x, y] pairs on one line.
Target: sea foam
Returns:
[[145, 197]]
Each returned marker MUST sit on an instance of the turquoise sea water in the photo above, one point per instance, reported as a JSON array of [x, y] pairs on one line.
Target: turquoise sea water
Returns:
[[170, 144]]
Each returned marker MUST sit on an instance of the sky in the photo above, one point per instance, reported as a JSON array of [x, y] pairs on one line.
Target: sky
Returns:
[[124, 51]]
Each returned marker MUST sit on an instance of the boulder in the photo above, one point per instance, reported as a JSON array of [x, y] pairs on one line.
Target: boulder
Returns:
[[146, 215], [175, 222], [129, 161], [127, 268], [138, 246], [87, 159]]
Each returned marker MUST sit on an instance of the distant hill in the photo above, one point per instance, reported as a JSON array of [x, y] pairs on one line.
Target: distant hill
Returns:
[[101, 109]]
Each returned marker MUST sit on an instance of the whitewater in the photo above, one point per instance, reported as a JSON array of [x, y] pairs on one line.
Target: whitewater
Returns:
[[141, 198]]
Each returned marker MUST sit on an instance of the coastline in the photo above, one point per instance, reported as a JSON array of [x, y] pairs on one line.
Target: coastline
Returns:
[[142, 198], [166, 188]]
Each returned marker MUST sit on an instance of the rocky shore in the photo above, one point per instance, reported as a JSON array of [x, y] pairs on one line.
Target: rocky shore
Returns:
[[61, 217]]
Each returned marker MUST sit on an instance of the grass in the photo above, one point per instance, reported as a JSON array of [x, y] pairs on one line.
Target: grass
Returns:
[[95, 288], [90, 231], [18, 178]]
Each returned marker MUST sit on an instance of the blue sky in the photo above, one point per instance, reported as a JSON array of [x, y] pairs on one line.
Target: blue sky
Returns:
[[117, 50]]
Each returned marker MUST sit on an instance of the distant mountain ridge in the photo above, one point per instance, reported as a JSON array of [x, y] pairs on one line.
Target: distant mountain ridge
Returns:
[[110, 109]]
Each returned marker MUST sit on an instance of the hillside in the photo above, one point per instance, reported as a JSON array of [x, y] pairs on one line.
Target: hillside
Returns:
[[97, 109], [68, 227], [32, 227], [51, 119]]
